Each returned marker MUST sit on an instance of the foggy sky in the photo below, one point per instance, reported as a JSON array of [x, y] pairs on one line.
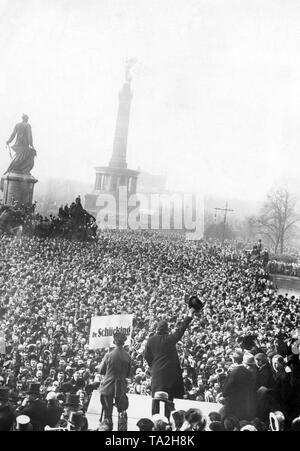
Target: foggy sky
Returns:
[[216, 88]]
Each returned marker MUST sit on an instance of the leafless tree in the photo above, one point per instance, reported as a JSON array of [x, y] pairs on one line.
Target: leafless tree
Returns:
[[278, 218]]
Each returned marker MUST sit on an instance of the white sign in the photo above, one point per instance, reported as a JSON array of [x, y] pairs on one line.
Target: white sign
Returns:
[[104, 327]]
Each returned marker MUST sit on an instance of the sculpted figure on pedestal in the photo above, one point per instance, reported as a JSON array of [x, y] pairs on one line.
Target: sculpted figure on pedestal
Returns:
[[25, 153]]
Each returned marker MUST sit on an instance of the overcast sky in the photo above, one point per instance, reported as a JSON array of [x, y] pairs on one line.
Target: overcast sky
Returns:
[[216, 88]]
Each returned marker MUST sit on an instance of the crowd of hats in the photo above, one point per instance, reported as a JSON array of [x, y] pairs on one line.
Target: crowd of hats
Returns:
[[194, 420], [50, 289]]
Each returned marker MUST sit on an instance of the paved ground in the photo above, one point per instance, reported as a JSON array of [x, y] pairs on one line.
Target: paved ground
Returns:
[[140, 407]]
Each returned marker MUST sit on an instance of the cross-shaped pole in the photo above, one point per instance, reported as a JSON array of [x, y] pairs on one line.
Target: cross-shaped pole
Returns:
[[226, 209]]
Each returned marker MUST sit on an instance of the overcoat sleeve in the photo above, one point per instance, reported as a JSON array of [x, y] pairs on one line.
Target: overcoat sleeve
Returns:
[[181, 329]]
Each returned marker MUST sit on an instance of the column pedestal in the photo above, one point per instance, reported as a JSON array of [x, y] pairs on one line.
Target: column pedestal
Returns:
[[17, 188]]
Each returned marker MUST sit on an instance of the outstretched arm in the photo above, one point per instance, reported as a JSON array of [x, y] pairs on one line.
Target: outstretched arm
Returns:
[[182, 328]]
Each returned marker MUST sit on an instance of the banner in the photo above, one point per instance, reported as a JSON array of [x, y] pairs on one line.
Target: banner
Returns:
[[104, 327], [2, 343]]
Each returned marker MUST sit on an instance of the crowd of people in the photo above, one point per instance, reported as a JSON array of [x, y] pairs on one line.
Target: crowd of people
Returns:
[[51, 286], [284, 269], [72, 222]]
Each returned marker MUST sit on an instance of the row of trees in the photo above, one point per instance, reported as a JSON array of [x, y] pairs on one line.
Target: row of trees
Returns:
[[278, 220], [277, 223]]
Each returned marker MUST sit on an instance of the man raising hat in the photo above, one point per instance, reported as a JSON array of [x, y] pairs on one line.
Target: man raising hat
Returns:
[[162, 358]]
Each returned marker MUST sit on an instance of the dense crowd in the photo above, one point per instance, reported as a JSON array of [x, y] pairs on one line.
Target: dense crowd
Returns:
[[51, 287], [284, 269], [72, 222]]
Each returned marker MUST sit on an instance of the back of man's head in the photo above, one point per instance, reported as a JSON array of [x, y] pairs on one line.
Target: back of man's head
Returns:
[[237, 356], [119, 338], [162, 327], [145, 424]]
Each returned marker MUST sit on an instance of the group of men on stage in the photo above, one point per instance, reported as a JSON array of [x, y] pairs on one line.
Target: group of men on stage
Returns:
[[162, 358]]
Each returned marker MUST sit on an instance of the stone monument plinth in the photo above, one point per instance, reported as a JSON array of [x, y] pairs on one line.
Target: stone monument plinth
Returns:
[[17, 188]]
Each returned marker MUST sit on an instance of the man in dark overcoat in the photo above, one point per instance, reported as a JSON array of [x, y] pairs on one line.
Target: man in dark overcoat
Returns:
[[34, 408], [7, 415], [115, 367], [239, 391], [162, 358]]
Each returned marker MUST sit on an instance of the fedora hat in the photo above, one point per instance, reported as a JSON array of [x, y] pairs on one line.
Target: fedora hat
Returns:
[[161, 395], [196, 303]]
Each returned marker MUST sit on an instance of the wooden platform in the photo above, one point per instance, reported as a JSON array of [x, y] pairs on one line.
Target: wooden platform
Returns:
[[140, 407]]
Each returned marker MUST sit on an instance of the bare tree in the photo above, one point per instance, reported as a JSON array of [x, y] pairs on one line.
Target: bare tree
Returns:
[[278, 218]]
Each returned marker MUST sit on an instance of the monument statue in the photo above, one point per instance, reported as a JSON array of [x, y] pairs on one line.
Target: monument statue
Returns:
[[17, 183], [25, 153]]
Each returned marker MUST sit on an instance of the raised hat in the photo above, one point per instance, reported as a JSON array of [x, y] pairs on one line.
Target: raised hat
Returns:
[[196, 303]]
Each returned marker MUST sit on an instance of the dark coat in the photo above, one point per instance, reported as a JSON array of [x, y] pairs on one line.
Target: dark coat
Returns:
[[283, 391], [161, 355], [37, 412], [265, 377], [239, 394], [7, 418], [53, 414], [115, 366]]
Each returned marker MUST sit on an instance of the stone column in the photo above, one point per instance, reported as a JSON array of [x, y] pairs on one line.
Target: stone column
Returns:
[[133, 185]]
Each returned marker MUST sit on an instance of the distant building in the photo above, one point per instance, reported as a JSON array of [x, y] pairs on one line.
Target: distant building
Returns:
[[150, 183]]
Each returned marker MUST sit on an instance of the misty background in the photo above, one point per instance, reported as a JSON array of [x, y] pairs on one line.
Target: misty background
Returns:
[[216, 92]]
